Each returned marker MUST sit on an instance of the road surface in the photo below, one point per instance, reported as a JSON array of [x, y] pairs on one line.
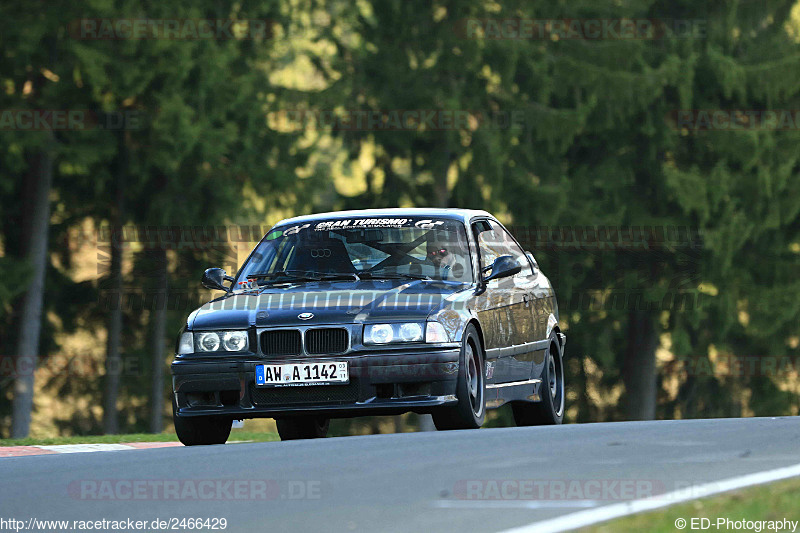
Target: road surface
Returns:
[[482, 480]]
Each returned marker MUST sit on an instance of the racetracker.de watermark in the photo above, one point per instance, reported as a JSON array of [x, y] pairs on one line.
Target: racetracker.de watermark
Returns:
[[69, 120], [195, 489], [591, 29], [395, 119], [557, 489], [570, 237], [176, 29], [105, 524], [599, 237], [738, 366], [73, 366], [173, 237], [633, 300], [734, 119], [591, 491]]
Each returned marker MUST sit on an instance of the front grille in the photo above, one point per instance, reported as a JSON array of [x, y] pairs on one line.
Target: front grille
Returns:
[[276, 396], [281, 342], [326, 341]]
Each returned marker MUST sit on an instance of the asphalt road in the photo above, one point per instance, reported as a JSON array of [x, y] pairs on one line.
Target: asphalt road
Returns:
[[483, 480]]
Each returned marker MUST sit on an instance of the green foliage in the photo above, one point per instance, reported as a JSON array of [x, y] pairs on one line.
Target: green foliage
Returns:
[[567, 133]]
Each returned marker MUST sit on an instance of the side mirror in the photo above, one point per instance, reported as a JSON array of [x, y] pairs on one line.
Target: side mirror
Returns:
[[503, 267], [533, 262], [213, 278]]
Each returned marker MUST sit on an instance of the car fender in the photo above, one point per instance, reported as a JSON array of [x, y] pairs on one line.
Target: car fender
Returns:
[[552, 322], [456, 314]]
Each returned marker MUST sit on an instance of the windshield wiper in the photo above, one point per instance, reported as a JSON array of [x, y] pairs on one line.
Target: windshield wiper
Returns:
[[339, 275], [375, 275], [284, 276]]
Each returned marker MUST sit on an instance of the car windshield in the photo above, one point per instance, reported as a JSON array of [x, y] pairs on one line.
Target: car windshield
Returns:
[[361, 248]]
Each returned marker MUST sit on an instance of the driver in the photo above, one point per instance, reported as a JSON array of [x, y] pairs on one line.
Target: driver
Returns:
[[441, 258]]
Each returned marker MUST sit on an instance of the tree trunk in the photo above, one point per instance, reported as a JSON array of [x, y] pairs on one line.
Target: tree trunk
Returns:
[[639, 371], [41, 178], [159, 315], [113, 355]]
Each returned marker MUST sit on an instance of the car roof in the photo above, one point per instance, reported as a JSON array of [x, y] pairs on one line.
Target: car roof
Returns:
[[459, 214]]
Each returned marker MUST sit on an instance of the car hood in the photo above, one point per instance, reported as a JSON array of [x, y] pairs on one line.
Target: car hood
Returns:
[[330, 302]]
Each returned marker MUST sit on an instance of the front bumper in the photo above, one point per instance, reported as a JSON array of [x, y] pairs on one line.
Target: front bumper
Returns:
[[380, 384]]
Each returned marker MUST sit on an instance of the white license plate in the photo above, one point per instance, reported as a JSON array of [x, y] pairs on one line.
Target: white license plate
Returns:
[[298, 374]]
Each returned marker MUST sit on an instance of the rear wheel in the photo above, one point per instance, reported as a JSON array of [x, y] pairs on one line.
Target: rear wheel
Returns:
[[470, 410], [302, 427], [550, 410], [197, 430]]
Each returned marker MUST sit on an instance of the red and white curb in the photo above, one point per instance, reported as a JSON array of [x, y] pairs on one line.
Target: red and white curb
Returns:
[[19, 451]]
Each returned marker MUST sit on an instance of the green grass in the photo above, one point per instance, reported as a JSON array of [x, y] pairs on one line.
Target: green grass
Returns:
[[775, 501], [264, 436], [236, 435]]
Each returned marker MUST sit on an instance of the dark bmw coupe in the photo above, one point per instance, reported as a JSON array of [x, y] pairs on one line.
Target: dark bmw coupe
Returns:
[[371, 312]]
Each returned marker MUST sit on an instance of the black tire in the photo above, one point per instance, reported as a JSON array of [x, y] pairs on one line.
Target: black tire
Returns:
[[550, 410], [470, 411], [302, 427], [200, 430]]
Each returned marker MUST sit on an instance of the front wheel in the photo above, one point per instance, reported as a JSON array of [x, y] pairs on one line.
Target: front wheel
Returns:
[[302, 427], [198, 430], [470, 410], [550, 410]]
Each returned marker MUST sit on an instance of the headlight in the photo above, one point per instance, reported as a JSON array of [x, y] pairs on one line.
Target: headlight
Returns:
[[435, 332], [186, 344], [220, 341], [234, 341], [400, 332], [411, 332], [378, 334], [207, 342]]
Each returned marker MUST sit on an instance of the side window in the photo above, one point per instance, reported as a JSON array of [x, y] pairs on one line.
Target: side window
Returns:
[[496, 242]]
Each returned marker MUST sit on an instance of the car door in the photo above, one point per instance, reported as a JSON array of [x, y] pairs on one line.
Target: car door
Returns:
[[542, 307], [543, 303], [505, 307]]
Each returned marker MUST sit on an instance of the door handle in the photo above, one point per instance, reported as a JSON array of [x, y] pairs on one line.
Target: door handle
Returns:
[[526, 299]]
